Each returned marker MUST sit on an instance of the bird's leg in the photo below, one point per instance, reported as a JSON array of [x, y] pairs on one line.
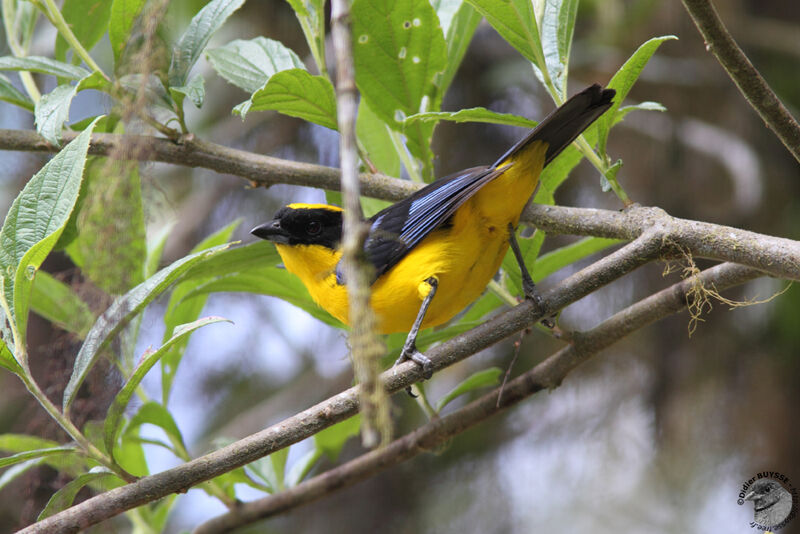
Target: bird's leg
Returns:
[[410, 351], [528, 287]]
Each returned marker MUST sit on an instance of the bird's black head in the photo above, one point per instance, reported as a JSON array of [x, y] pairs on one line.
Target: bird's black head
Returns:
[[304, 224]]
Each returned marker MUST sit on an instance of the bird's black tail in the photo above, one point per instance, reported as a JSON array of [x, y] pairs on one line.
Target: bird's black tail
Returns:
[[562, 126]]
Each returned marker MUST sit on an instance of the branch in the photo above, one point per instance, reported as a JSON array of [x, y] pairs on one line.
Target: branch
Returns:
[[750, 83], [366, 349], [773, 255], [547, 375], [339, 407]]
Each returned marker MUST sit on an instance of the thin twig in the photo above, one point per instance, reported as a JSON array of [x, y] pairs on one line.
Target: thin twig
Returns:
[[366, 348], [752, 85], [339, 407], [547, 375]]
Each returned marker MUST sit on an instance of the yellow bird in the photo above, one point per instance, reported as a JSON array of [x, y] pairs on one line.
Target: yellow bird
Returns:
[[434, 252]]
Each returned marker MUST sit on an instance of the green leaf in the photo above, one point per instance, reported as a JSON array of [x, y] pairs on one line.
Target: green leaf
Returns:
[[643, 106], [331, 440], [10, 94], [88, 20], [474, 115], [270, 470], [35, 221], [123, 16], [7, 360], [195, 90], [121, 311], [180, 311], [300, 469], [43, 65], [155, 249], [148, 360], [63, 498], [481, 379], [52, 111], [551, 262], [17, 470], [155, 414], [110, 243], [399, 55], [24, 442], [311, 15], [19, 18], [623, 80], [458, 35], [515, 21], [36, 453], [250, 64], [374, 135], [530, 247], [296, 93], [191, 44], [558, 25], [57, 302], [274, 282]]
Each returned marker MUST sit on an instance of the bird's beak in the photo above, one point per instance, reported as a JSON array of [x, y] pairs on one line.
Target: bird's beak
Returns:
[[271, 231], [750, 496]]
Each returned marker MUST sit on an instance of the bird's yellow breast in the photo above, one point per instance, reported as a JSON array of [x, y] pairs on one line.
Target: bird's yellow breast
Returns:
[[462, 256]]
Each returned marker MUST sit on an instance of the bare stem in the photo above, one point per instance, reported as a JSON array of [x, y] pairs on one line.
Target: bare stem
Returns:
[[751, 84]]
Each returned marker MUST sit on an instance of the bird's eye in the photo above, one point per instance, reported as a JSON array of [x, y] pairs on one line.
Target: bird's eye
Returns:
[[768, 489], [313, 228]]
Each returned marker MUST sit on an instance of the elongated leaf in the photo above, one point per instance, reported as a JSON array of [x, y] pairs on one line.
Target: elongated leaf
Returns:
[[480, 379], [623, 80], [24, 442], [10, 94], [7, 360], [300, 469], [111, 256], [43, 65], [63, 498], [557, 26], [17, 470], [270, 470], [180, 311], [88, 20], [296, 93], [57, 302], [399, 55], [643, 106], [36, 453], [551, 262], [331, 440], [191, 44], [35, 221], [155, 414], [458, 35], [515, 21], [122, 18], [273, 282], [249, 64], [155, 249], [474, 115], [52, 111], [374, 135], [530, 247], [148, 360], [121, 312]]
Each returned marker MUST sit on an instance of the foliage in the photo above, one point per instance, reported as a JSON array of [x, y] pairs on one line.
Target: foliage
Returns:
[[406, 54]]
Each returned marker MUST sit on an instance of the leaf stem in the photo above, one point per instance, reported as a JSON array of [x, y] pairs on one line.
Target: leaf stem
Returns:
[[52, 12]]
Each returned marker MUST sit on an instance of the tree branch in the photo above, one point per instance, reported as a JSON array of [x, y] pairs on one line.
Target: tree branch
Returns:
[[547, 375], [339, 407], [774, 255], [751, 84]]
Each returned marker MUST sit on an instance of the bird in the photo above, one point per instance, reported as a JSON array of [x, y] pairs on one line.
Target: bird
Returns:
[[772, 503], [434, 252]]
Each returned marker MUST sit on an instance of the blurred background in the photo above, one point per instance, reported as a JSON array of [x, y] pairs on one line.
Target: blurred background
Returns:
[[656, 434]]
